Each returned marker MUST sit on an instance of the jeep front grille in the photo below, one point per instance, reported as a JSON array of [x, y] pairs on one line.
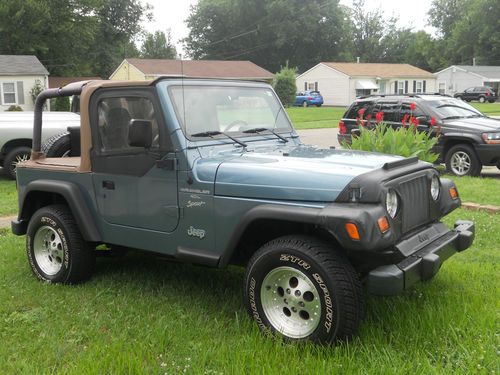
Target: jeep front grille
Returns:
[[415, 198]]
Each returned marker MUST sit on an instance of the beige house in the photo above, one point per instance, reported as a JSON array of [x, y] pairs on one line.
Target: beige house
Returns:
[[18, 75], [144, 69], [340, 83]]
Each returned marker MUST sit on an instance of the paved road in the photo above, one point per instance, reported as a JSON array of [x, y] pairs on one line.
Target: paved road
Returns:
[[328, 137]]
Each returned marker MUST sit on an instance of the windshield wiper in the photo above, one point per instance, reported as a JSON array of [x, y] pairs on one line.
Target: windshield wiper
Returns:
[[452, 117], [260, 130], [216, 132]]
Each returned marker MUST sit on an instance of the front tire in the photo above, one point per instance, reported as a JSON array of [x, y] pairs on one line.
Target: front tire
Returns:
[[17, 155], [300, 288], [57, 252], [461, 160], [482, 99], [305, 104]]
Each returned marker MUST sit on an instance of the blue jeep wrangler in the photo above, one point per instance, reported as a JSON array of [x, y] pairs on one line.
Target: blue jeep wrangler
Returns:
[[211, 172]]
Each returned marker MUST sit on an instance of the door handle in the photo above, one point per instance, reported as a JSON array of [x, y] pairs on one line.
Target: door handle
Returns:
[[110, 185]]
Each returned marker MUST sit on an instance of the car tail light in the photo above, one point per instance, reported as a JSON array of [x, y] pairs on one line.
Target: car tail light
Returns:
[[488, 93], [310, 98], [342, 128]]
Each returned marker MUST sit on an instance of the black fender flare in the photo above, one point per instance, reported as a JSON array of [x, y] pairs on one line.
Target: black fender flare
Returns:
[[299, 214], [73, 196]]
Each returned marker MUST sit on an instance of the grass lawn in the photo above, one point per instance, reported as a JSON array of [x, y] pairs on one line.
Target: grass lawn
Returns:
[[489, 109], [314, 117], [140, 314], [478, 190], [8, 194]]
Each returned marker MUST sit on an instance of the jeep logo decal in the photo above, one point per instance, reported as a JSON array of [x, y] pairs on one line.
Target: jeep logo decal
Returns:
[[193, 232]]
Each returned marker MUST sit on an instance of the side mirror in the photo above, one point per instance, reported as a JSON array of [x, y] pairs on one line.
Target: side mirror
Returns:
[[140, 133], [423, 120]]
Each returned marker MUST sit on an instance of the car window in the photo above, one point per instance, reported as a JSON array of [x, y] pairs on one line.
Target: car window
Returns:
[[227, 109], [406, 110], [390, 109], [114, 117], [453, 108], [352, 113], [469, 89]]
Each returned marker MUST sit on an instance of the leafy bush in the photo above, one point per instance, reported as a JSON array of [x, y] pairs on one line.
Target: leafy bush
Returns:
[[60, 104], [404, 141], [284, 85], [36, 90], [14, 108]]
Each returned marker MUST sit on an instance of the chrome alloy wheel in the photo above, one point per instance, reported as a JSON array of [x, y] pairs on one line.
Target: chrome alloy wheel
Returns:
[[460, 163], [48, 250], [19, 158], [290, 302]]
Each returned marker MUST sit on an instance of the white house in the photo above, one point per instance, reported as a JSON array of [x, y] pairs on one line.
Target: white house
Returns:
[[457, 78], [340, 83], [18, 75]]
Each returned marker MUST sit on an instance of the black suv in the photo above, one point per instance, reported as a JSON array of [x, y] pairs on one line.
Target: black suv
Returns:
[[480, 93], [468, 139]]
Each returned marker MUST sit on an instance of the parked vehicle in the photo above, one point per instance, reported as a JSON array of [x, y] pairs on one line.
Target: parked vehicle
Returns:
[[479, 93], [307, 98], [468, 141], [16, 130], [211, 172]]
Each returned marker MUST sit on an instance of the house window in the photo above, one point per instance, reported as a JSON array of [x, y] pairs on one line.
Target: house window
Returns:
[[401, 87], [419, 87], [311, 86], [442, 88], [9, 93]]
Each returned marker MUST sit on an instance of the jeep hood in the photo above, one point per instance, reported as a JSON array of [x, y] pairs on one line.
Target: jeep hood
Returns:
[[300, 173]]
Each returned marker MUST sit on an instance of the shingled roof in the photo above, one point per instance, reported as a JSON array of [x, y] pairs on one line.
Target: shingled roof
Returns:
[[379, 70], [202, 68], [21, 65]]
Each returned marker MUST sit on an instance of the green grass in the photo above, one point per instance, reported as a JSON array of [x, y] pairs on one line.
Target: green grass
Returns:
[[314, 117], [143, 315], [478, 190], [489, 109], [8, 194]]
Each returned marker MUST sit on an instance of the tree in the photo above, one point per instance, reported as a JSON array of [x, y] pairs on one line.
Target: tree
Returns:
[[73, 37], [268, 32], [158, 46], [285, 86]]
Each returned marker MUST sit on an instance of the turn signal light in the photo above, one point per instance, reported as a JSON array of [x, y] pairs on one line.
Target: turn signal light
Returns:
[[352, 231], [383, 224], [453, 192]]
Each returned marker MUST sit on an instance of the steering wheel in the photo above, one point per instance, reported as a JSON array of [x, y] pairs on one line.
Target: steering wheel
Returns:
[[234, 123]]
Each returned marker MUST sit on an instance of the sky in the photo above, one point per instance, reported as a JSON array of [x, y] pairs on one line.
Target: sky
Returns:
[[170, 14]]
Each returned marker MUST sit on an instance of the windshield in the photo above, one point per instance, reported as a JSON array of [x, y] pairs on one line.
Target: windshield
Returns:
[[202, 109], [453, 108]]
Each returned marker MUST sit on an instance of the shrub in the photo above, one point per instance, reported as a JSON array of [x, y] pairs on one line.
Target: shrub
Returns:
[[284, 85], [14, 108], [60, 104], [36, 90], [404, 141]]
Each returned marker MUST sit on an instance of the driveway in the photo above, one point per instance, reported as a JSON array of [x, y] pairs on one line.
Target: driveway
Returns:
[[328, 137]]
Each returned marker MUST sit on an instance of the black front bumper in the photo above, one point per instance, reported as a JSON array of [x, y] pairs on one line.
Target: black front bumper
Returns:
[[488, 154], [426, 250]]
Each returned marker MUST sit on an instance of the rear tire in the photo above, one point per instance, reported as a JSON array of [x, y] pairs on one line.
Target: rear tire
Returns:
[[301, 289], [461, 160], [482, 99], [57, 146], [17, 155], [57, 252]]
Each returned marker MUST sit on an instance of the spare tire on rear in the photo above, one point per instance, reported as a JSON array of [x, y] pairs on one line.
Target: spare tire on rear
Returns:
[[57, 146]]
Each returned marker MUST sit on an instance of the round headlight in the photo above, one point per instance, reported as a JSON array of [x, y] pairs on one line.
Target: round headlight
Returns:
[[435, 187], [391, 203]]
